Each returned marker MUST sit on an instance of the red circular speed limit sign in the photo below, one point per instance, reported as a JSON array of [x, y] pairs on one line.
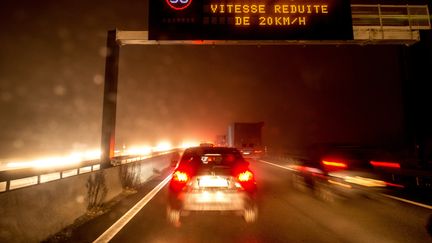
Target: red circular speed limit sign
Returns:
[[179, 4]]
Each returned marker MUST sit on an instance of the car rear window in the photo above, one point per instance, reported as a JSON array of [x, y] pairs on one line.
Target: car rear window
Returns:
[[212, 156]]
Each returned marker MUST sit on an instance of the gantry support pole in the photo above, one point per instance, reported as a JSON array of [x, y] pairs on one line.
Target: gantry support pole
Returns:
[[109, 99]]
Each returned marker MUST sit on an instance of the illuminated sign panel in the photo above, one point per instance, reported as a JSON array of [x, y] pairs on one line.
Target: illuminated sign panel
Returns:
[[250, 20]]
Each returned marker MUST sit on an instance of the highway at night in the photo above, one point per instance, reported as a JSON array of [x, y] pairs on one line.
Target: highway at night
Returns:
[[285, 215], [215, 121]]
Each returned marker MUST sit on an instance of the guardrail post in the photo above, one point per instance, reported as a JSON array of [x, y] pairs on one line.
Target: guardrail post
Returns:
[[110, 99]]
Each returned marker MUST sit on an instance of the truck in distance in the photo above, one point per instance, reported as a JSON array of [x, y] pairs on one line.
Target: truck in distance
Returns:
[[246, 137]]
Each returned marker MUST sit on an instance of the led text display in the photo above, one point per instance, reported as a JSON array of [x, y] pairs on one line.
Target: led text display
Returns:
[[250, 20]]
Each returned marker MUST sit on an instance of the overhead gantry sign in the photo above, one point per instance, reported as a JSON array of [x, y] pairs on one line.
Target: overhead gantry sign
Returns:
[[258, 22], [250, 20]]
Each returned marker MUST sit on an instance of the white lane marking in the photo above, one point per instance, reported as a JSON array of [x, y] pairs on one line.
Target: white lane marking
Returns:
[[280, 166], [117, 226], [408, 201], [392, 197]]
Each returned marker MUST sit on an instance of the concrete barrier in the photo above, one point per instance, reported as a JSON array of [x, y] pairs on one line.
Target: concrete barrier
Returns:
[[34, 213]]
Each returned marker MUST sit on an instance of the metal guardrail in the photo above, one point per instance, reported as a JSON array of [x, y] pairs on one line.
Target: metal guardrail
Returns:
[[19, 178]]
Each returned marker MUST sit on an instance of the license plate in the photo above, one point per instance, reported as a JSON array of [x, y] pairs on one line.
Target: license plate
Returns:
[[212, 181], [212, 198]]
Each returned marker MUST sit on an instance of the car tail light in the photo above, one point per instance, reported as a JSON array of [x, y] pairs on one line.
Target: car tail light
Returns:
[[335, 164], [245, 176], [247, 180], [393, 165], [179, 180], [180, 176]]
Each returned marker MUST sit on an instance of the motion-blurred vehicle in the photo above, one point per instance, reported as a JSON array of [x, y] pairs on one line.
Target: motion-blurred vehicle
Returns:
[[212, 179], [345, 171]]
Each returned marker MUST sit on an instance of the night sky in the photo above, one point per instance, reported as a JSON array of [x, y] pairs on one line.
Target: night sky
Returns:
[[51, 85]]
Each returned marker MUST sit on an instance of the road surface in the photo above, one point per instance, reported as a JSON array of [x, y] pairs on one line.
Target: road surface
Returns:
[[285, 215]]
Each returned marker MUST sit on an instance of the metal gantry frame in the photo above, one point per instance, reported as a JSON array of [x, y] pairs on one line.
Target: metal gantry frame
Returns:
[[389, 22], [372, 24]]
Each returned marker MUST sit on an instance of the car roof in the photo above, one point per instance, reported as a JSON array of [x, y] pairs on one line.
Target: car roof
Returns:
[[217, 150]]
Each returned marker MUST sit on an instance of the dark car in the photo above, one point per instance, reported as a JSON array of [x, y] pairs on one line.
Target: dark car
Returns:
[[251, 151], [212, 179]]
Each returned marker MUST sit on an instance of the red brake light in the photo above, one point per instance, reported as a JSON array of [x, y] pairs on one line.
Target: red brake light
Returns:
[[245, 176], [247, 180], [385, 164], [179, 180], [337, 164], [180, 176]]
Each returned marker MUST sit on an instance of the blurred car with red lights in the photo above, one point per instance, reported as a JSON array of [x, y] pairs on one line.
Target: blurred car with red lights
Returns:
[[342, 171], [212, 179]]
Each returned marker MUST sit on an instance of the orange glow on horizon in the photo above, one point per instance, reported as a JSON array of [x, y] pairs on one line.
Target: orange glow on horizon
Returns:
[[74, 158]]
